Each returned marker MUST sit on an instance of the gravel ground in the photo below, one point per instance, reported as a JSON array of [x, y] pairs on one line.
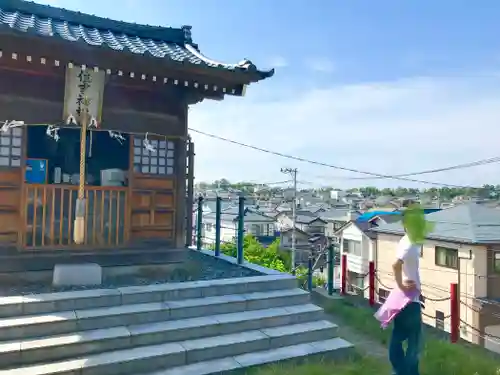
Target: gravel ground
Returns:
[[196, 267]]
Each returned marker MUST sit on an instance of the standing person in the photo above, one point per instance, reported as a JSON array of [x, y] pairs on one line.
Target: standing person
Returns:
[[408, 322]]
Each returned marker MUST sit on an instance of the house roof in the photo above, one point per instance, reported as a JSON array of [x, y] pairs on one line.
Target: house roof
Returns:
[[297, 230], [364, 226], [212, 205], [388, 218], [371, 214], [305, 219], [303, 216], [169, 43], [256, 216], [231, 214], [335, 214], [468, 223]]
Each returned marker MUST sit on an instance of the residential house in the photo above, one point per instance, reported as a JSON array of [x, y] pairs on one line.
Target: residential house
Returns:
[[306, 245], [344, 205], [337, 195], [377, 218], [316, 208], [284, 206], [255, 223], [387, 218], [463, 248], [358, 243], [209, 205], [371, 214], [324, 194], [353, 198], [305, 221], [268, 210], [302, 244], [336, 219]]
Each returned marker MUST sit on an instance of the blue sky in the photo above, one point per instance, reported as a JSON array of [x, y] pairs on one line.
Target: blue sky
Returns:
[[384, 86]]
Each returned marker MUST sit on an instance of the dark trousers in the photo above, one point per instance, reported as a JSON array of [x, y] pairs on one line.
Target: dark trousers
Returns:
[[407, 327]]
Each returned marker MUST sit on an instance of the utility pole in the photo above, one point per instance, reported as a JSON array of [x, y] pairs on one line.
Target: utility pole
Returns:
[[293, 173]]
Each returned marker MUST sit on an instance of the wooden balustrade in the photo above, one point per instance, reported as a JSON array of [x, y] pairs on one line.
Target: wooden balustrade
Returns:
[[50, 212]]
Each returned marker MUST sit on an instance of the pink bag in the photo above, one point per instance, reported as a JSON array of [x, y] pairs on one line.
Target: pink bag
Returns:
[[395, 302]]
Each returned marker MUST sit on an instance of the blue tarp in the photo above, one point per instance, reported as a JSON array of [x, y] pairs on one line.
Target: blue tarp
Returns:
[[370, 215]]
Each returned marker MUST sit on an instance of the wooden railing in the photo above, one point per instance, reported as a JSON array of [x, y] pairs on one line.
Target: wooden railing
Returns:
[[50, 212]]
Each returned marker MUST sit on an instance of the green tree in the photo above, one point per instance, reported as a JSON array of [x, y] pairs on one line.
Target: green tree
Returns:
[[270, 257], [254, 252], [387, 192], [369, 191]]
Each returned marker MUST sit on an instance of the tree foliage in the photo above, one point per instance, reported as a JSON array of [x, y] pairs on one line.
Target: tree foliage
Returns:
[[445, 193], [270, 257], [254, 252]]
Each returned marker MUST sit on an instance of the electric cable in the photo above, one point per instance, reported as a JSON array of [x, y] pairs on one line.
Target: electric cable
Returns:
[[437, 170], [304, 160]]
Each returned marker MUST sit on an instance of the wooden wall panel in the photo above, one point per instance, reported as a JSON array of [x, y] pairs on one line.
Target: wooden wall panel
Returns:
[[152, 201], [10, 204], [150, 182]]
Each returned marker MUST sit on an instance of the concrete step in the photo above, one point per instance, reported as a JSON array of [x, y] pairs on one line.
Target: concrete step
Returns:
[[336, 348], [33, 326], [170, 355], [51, 348], [76, 300]]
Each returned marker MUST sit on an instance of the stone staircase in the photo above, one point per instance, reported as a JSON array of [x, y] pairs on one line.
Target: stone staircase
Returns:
[[191, 328]]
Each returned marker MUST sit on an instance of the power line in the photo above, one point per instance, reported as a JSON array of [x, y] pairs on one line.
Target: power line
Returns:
[[297, 158], [428, 171], [444, 169]]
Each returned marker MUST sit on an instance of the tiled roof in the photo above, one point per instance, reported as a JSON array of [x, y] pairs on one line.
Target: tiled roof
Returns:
[[231, 214], [161, 42], [468, 223], [305, 219], [335, 214], [212, 205]]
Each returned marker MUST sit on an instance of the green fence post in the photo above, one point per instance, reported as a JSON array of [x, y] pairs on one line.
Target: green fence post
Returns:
[[199, 223], [241, 230]]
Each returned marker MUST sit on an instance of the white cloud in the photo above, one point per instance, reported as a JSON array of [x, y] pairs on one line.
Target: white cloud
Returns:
[[384, 127], [321, 65], [278, 62]]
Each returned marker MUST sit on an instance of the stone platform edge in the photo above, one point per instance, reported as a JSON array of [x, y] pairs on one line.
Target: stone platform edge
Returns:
[[135, 289]]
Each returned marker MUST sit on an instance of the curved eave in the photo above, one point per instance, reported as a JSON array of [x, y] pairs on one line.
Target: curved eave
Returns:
[[176, 48], [244, 66]]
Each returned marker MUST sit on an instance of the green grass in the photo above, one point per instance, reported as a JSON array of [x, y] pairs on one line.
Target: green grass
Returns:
[[439, 357], [361, 366]]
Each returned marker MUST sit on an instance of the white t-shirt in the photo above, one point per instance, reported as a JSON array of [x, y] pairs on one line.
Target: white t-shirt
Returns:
[[410, 255]]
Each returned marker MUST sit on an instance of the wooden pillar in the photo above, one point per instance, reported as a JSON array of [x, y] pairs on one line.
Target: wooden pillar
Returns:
[[190, 193], [180, 193]]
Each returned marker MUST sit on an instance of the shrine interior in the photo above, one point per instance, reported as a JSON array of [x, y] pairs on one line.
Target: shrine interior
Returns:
[[58, 162]]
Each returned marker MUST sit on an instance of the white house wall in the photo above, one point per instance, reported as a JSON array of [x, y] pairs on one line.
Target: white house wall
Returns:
[[352, 232], [355, 263], [227, 232], [283, 222]]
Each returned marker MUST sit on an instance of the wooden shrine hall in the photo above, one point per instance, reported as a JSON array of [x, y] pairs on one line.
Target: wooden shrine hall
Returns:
[[94, 145]]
